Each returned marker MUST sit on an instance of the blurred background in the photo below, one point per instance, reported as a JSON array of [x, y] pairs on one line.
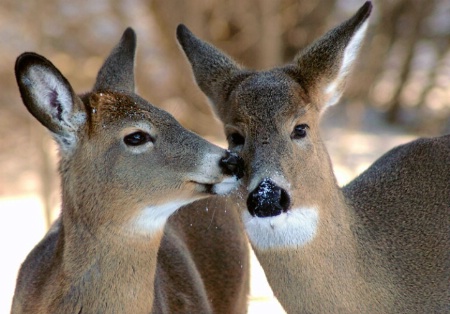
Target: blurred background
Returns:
[[399, 89]]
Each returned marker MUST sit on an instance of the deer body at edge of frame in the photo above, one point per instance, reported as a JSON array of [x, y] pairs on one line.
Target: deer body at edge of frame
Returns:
[[379, 245], [126, 167]]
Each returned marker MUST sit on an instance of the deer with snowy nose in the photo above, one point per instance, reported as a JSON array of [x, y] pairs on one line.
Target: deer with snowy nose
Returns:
[[381, 244]]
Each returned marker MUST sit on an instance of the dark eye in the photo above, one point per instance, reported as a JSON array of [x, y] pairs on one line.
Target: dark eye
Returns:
[[299, 131], [236, 139], [137, 138]]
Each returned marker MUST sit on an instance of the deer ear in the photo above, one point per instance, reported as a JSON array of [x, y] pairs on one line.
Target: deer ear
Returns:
[[213, 70], [117, 73], [49, 97], [322, 68]]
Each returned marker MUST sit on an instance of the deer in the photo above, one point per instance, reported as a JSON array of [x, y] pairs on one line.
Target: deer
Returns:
[[126, 167], [380, 244]]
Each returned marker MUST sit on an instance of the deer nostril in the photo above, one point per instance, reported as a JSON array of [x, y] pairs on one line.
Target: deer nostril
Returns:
[[268, 200], [232, 164]]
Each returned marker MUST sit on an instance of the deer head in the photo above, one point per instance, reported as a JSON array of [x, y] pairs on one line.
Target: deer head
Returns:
[[272, 119], [119, 153]]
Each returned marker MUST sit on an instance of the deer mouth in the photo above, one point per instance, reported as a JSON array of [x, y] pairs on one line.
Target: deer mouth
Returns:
[[221, 180], [268, 200], [223, 187]]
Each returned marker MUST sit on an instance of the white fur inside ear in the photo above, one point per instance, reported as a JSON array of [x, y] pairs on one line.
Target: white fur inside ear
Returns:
[[334, 89], [152, 219], [50, 93], [54, 98], [292, 229]]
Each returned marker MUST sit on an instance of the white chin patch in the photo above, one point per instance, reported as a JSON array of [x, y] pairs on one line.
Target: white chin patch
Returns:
[[152, 219], [226, 186], [292, 229]]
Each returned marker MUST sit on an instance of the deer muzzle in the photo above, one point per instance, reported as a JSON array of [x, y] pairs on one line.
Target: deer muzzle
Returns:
[[232, 164]]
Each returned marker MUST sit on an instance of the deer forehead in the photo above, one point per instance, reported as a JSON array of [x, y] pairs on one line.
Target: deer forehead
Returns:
[[109, 107], [270, 95], [119, 110]]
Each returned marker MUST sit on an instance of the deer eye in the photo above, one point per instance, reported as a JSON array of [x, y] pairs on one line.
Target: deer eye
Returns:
[[236, 139], [137, 138], [299, 131]]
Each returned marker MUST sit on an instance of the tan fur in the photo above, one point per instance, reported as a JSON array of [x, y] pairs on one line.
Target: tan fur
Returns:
[[102, 255], [382, 243]]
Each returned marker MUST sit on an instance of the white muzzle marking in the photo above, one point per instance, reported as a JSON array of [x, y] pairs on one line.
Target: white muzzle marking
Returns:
[[226, 186], [292, 229]]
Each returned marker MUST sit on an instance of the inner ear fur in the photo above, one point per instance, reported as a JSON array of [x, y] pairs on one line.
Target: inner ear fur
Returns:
[[323, 66], [46, 93]]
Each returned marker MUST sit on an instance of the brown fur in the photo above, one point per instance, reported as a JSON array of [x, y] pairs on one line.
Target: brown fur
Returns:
[[205, 228], [382, 243], [96, 258]]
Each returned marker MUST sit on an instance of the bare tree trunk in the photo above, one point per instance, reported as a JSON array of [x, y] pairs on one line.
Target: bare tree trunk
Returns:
[[270, 45], [431, 82], [420, 11], [167, 15], [46, 174], [370, 69]]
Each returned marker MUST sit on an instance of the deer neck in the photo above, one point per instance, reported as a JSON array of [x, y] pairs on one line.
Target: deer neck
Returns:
[[109, 268], [326, 271]]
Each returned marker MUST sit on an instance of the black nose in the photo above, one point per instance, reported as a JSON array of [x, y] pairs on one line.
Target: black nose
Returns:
[[268, 200], [232, 164]]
